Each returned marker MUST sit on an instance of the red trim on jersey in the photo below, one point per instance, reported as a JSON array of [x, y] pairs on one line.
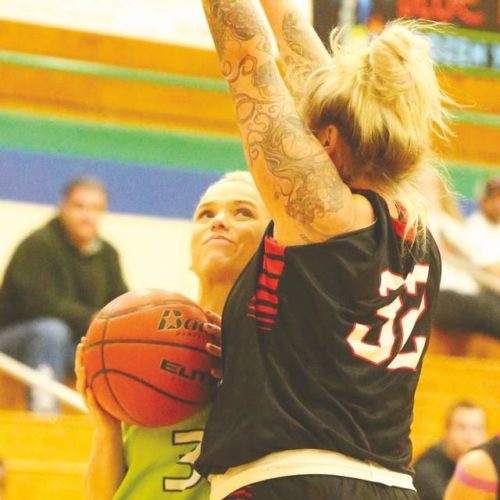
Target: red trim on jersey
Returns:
[[475, 482], [263, 308], [399, 225], [260, 319], [272, 247], [265, 280], [265, 296], [269, 321], [245, 493], [273, 266]]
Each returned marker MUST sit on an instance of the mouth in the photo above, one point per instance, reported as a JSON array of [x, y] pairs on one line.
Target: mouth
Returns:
[[217, 238]]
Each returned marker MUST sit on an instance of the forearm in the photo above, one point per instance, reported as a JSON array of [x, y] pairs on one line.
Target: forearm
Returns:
[[297, 40], [238, 29], [106, 467]]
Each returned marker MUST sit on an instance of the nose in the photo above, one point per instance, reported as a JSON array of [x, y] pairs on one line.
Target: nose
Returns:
[[219, 221]]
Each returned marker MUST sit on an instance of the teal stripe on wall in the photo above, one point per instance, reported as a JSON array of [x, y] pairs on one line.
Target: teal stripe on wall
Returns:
[[468, 179], [125, 144]]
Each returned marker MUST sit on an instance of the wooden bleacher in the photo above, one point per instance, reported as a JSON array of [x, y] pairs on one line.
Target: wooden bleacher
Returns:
[[44, 457], [455, 343]]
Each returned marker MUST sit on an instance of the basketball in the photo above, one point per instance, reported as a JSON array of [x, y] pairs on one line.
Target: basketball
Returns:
[[145, 358]]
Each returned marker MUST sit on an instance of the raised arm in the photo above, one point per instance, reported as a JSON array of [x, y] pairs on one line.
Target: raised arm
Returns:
[[298, 182], [300, 49]]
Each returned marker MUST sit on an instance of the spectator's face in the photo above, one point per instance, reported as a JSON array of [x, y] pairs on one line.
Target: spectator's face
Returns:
[[80, 212], [491, 207], [227, 227], [467, 429]]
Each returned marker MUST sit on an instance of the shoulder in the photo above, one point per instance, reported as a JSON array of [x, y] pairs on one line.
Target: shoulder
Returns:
[[108, 248], [478, 464], [358, 213], [42, 237]]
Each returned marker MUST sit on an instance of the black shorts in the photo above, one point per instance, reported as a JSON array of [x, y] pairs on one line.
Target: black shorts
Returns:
[[318, 487]]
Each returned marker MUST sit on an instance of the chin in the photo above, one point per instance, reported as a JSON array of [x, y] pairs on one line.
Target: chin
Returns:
[[219, 266]]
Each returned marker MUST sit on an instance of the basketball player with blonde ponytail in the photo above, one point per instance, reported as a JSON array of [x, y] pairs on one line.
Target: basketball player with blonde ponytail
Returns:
[[324, 332]]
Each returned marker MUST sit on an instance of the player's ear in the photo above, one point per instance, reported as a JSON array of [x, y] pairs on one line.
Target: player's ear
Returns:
[[329, 137]]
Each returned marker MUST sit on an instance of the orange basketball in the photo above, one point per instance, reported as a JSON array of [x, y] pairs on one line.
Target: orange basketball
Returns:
[[145, 358]]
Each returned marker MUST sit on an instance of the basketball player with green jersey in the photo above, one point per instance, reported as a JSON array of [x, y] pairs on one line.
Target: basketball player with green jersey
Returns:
[[161, 461], [131, 462]]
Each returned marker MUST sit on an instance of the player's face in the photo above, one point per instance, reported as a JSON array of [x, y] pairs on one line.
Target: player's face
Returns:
[[466, 430], [80, 212], [227, 227]]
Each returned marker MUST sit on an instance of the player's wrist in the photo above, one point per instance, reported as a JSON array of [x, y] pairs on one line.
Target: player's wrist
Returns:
[[108, 433]]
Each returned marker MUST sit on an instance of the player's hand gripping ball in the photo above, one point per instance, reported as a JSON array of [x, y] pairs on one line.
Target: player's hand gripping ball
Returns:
[[145, 358]]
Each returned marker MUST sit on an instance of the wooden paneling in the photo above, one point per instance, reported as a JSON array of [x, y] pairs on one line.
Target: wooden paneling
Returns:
[[33, 39], [111, 99]]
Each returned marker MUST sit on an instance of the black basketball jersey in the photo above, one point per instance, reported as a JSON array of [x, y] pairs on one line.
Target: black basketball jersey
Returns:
[[322, 348]]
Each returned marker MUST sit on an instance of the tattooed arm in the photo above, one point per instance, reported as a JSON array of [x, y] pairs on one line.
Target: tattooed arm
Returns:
[[296, 178], [300, 49]]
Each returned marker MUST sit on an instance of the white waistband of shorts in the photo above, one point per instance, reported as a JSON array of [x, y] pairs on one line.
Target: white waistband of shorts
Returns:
[[301, 462]]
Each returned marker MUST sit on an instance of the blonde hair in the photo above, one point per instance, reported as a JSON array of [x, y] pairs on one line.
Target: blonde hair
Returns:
[[386, 102], [239, 176], [236, 176]]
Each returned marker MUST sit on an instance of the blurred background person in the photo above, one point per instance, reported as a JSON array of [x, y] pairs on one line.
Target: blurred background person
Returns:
[[477, 474], [469, 296], [465, 428], [57, 279], [483, 229]]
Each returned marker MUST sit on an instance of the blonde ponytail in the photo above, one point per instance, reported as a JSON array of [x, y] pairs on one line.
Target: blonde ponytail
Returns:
[[386, 102]]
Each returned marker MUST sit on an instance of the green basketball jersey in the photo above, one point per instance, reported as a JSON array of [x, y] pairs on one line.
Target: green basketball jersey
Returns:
[[160, 462]]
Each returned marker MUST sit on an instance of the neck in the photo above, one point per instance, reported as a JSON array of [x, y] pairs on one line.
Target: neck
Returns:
[[213, 295], [362, 183], [86, 247], [82, 245]]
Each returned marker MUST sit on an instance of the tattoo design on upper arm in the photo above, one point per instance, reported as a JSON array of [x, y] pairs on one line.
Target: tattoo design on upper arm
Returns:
[[307, 179]]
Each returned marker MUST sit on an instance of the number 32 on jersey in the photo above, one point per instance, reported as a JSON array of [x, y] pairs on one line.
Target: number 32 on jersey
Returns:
[[393, 312]]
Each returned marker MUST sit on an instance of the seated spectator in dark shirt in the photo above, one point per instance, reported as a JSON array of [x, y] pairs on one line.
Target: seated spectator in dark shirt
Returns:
[[465, 428], [56, 280]]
